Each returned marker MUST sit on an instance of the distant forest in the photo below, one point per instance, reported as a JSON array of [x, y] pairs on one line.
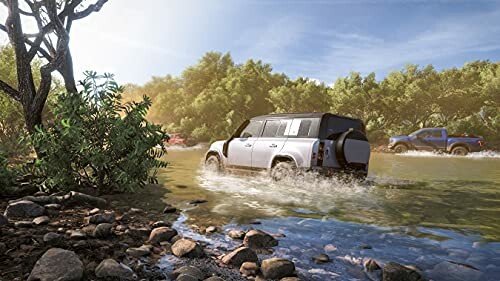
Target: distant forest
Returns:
[[210, 99]]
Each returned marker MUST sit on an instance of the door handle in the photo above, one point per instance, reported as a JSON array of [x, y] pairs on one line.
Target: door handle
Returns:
[[248, 145], [273, 145]]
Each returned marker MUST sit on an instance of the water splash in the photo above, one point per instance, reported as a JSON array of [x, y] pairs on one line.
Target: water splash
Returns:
[[186, 148], [479, 155]]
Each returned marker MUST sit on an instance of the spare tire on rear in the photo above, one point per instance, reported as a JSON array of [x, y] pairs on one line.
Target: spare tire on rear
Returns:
[[352, 150]]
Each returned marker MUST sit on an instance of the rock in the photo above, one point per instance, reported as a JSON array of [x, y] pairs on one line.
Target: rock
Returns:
[[395, 272], [77, 235], [365, 247], [214, 278], [88, 229], [371, 265], [103, 230], [41, 220], [276, 268], [448, 271], [121, 228], [137, 233], [139, 252], [40, 193], [125, 218], [74, 198], [188, 270], [52, 206], [211, 229], [94, 211], [249, 269], [135, 211], [237, 234], [321, 258], [257, 239], [198, 201], [175, 238], [160, 224], [187, 248], [101, 218], [52, 238], [169, 209], [24, 209], [3, 220], [290, 279], [186, 277], [160, 234], [57, 264], [42, 200], [330, 248], [23, 224], [239, 256], [109, 268]]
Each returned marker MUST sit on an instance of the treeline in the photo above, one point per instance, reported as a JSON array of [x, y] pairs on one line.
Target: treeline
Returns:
[[210, 99]]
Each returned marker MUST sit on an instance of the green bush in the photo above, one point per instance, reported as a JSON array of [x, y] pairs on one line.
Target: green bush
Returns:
[[96, 141], [5, 173]]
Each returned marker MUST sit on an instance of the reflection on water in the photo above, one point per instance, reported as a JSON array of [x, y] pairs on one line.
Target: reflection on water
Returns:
[[412, 209]]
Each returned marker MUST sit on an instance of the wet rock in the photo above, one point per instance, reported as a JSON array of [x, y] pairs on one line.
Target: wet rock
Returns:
[[186, 277], [211, 229], [52, 206], [453, 271], [23, 224], [41, 220], [395, 272], [249, 269], [237, 234], [139, 252], [214, 278], [52, 238], [169, 209], [94, 212], [101, 218], [371, 265], [198, 201], [188, 270], [24, 209], [138, 233], [160, 234], [160, 224], [103, 230], [109, 268], [3, 220], [321, 258], [57, 264], [187, 248], [276, 268], [74, 198], [239, 256], [257, 239], [77, 235]]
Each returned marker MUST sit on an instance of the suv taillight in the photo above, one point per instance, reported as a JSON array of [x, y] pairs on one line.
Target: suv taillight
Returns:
[[481, 142], [320, 153]]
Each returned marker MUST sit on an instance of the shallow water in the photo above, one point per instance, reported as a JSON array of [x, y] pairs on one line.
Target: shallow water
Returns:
[[419, 209]]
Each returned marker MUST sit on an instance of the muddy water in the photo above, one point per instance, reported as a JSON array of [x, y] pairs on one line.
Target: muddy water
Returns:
[[419, 209]]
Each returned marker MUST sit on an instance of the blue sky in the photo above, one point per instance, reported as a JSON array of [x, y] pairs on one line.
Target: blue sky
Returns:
[[318, 39]]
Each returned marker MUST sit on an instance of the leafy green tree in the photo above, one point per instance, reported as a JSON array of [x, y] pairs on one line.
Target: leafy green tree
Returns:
[[300, 95]]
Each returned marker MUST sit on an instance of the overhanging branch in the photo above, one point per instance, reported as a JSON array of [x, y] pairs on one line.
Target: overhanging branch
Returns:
[[10, 91], [90, 9]]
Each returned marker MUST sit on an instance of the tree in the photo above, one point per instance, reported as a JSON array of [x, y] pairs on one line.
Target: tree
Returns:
[[301, 95], [54, 20]]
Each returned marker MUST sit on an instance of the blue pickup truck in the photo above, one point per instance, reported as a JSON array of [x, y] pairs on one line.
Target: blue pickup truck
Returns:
[[436, 139]]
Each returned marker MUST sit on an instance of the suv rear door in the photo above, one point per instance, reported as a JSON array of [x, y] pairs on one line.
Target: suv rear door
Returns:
[[240, 148], [269, 143]]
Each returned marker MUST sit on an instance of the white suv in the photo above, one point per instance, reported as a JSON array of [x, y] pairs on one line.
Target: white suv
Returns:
[[281, 143]]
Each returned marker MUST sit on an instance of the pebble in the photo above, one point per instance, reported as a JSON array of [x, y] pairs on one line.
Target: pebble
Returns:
[[321, 258], [41, 220]]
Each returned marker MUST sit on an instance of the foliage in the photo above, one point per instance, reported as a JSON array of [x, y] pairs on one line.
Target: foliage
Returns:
[[5, 173], [210, 99], [97, 141]]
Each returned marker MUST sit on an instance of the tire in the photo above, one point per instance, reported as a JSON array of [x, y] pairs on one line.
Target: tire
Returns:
[[212, 163], [283, 170], [400, 148], [459, 150]]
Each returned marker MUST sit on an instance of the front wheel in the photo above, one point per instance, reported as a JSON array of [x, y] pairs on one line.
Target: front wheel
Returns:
[[282, 170], [459, 150], [212, 163], [400, 148]]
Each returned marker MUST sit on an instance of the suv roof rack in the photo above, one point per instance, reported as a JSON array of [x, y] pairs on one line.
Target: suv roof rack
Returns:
[[299, 115]]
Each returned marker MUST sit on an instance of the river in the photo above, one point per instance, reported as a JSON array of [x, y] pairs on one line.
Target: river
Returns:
[[417, 209]]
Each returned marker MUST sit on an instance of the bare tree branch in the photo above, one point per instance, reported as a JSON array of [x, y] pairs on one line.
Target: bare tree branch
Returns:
[[9, 90], [90, 9]]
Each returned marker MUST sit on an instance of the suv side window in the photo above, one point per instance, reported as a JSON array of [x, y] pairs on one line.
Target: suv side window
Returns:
[[252, 130], [271, 128], [437, 134], [303, 128]]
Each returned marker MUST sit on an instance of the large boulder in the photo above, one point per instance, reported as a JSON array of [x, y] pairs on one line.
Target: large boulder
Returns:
[[187, 248], [109, 268], [57, 265], [74, 198], [396, 272], [239, 256], [277, 268], [161, 234], [257, 239], [448, 271], [24, 208]]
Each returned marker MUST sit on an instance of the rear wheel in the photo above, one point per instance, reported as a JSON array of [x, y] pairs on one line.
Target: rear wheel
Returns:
[[283, 170], [400, 148], [459, 150], [212, 163]]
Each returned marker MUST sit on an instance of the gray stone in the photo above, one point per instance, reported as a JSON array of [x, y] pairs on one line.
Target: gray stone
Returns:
[[290, 279], [137, 233], [186, 277], [239, 256], [24, 209], [139, 252], [187, 248], [237, 234], [52, 238], [103, 230], [160, 224], [211, 229], [448, 271], [121, 228], [249, 269], [321, 258], [57, 264], [74, 198], [214, 278], [3, 247], [52, 206], [257, 239], [77, 235], [3, 220], [109, 268], [94, 211], [23, 224], [371, 265], [169, 209], [41, 220], [188, 270], [40, 193], [277, 268], [395, 272], [160, 234], [101, 218]]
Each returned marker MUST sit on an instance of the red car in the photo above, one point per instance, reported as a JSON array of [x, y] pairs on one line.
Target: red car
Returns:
[[176, 139]]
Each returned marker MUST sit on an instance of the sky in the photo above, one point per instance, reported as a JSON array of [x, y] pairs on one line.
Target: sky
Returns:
[[319, 39]]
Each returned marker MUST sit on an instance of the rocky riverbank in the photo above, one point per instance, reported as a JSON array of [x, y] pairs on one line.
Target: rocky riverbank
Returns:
[[75, 236]]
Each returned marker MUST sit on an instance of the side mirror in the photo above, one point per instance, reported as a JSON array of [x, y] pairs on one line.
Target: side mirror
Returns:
[[246, 135]]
